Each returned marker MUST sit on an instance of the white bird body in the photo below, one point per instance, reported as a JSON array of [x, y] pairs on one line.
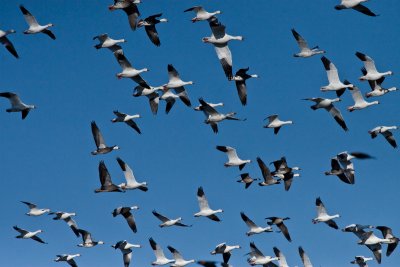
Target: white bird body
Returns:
[[201, 13], [323, 216], [370, 238], [159, 253], [275, 123], [224, 248], [205, 210], [233, 159], [107, 42], [16, 104], [254, 228], [179, 260]]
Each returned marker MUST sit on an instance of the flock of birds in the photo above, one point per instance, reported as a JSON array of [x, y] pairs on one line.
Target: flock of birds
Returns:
[[341, 165]]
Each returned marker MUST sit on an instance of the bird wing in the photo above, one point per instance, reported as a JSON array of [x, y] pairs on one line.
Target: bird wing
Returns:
[[160, 217], [128, 173], [300, 40], [119, 114], [284, 231], [207, 108], [102, 37], [214, 217], [214, 127], [266, 173], [230, 151], [122, 61], [242, 91], [157, 249], [255, 251], [337, 116], [49, 33], [390, 138], [30, 205], [195, 9], [130, 220], [173, 74], [356, 95], [218, 30], [320, 207], [154, 99], [86, 236], [134, 125], [170, 104], [10, 47], [127, 257], [153, 34], [72, 224], [12, 97], [272, 118], [139, 80], [225, 58], [183, 95], [20, 230], [201, 198], [332, 224], [304, 258], [247, 220], [98, 137], [369, 63], [105, 178], [72, 263], [175, 253], [28, 17], [365, 10], [288, 179], [133, 13], [331, 70], [38, 239], [282, 259]]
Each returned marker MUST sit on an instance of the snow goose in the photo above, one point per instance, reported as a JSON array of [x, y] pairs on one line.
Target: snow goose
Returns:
[[225, 250], [388, 234], [266, 173], [282, 259], [66, 217], [376, 86], [369, 238], [345, 175], [131, 182], [288, 179], [233, 159], [246, 179], [305, 51], [170, 98], [254, 228], [87, 240], [102, 148], [34, 26], [279, 223], [159, 253], [151, 94], [327, 104], [128, 71], [276, 123], [361, 261], [205, 210], [166, 222], [356, 5], [333, 78], [6, 42], [359, 101], [213, 116], [149, 24], [220, 39], [126, 212], [17, 105], [323, 216], [128, 119], [130, 8], [126, 249], [202, 14], [69, 258], [214, 105], [282, 168], [175, 81], [304, 258], [107, 42], [26, 234], [179, 261], [258, 258], [105, 180], [240, 80], [369, 66], [33, 209], [385, 131]]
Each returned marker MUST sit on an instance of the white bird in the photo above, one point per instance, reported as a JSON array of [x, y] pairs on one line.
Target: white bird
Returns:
[[254, 228], [17, 105], [361, 261], [359, 101], [376, 86], [107, 42], [246, 179], [174, 81], [126, 249], [131, 182], [126, 212], [151, 94], [34, 26], [369, 66], [69, 258], [128, 119], [179, 260], [214, 105], [7, 43], [130, 8], [356, 5], [159, 253], [276, 123], [266, 173], [369, 238], [240, 80], [279, 222], [33, 209], [149, 24], [102, 148], [128, 71], [385, 131], [213, 116], [233, 159], [166, 222], [105, 180], [282, 259], [258, 258], [26, 234], [66, 217], [323, 216], [219, 38], [327, 104], [205, 210], [333, 78], [304, 258], [305, 51], [225, 250], [87, 240], [202, 14]]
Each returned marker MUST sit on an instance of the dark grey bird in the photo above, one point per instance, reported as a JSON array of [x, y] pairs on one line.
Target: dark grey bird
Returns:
[[388, 234], [266, 173], [246, 179], [102, 148], [240, 80], [149, 24], [105, 180], [130, 8], [128, 119], [279, 223], [126, 212], [7, 43], [345, 175], [356, 5]]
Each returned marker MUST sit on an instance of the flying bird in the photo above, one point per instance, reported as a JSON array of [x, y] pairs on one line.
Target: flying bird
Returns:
[[361, 261], [356, 5], [369, 66], [7, 43], [305, 51], [179, 260], [87, 240], [254, 228], [107, 42], [128, 71], [159, 253], [68, 258], [130, 8], [246, 179], [323, 216], [102, 148], [275, 123], [333, 78], [66, 217], [166, 222], [149, 24], [233, 159], [279, 222], [304, 258], [205, 210], [266, 173], [24, 234], [126, 250], [126, 212], [376, 86], [388, 234], [240, 80], [105, 180], [17, 105], [131, 182], [202, 14], [225, 250], [128, 119], [345, 175], [151, 94], [282, 259], [359, 101], [258, 258], [33, 209], [385, 131], [34, 26]]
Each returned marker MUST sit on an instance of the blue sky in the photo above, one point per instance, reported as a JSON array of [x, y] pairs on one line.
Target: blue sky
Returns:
[[46, 158]]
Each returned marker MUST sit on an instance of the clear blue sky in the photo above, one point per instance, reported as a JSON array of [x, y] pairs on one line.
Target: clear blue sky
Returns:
[[46, 158]]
